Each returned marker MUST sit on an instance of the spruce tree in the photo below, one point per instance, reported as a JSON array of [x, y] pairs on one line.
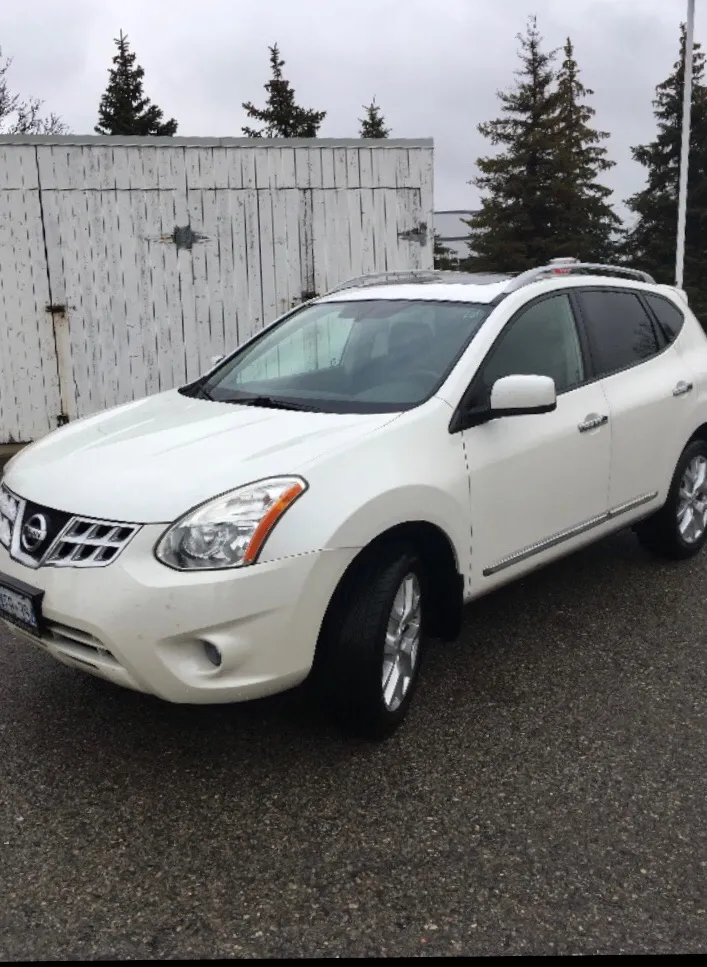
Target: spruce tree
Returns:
[[124, 109], [651, 242], [585, 225], [373, 122], [445, 258], [282, 116], [514, 228]]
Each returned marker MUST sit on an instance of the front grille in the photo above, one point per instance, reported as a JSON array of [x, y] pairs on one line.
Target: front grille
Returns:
[[89, 543], [38, 535]]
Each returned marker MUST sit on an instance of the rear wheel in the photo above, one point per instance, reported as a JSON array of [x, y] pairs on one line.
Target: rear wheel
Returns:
[[371, 646], [679, 529]]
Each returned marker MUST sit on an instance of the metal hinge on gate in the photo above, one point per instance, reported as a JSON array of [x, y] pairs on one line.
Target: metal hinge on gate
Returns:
[[56, 310], [418, 234]]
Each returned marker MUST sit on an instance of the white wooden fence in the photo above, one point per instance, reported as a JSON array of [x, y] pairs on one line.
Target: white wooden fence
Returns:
[[126, 264]]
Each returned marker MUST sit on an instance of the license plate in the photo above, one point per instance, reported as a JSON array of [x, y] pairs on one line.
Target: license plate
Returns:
[[21, 604]]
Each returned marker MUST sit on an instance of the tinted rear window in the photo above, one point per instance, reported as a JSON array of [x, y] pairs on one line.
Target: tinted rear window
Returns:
[[669, 317], [620, 329]]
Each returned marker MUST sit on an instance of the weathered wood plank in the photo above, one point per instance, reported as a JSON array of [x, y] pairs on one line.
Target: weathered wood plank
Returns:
[[365, 167], [228, 296], [368, 235], [341, 174], [285, 259], [302, 167], [353, 175], [328, 180], [380, 247], [267, 259], [196, 258], [18, 167], [353, 218], [239, 327], [168, 313], [29, 402], [319, 242], [253, 318]]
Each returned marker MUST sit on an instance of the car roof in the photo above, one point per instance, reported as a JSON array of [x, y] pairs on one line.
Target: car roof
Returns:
[[416, 291]]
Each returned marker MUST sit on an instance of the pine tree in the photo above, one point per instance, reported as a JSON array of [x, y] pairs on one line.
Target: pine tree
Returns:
[[373, 122], [585, 225], [282, 117], [445, 258], [124, 109], [651, 242], [514, 227]]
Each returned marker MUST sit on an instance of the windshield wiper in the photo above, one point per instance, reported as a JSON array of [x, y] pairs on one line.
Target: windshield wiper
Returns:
[[269, 401]]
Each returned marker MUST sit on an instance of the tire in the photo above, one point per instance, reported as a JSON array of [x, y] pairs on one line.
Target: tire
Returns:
[[672, 532], [354, 645]]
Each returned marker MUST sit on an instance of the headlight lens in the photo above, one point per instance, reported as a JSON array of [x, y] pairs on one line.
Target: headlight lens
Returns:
[[8, 515], [230, 530]]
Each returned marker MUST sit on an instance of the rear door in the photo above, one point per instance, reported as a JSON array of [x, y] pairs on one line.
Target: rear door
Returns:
[[642, 377]]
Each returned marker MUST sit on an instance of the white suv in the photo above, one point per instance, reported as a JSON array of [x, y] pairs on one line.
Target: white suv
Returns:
[[331, 494]]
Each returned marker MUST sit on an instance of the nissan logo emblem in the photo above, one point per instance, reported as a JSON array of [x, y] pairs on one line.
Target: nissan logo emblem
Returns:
[[34, 532]]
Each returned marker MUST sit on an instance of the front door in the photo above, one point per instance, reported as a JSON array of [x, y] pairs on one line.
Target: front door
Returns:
[[540, 481]]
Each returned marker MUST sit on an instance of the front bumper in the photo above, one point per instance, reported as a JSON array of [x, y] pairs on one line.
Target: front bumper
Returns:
[[142, 625]]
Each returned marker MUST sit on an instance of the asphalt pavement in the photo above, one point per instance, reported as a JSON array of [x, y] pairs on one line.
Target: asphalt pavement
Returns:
[[547, 795]]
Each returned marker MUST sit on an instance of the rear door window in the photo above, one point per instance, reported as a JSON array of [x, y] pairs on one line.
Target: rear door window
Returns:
[[669, 317], [620, 330]]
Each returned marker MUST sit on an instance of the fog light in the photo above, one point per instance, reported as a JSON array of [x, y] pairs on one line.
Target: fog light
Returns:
[[213, 654]]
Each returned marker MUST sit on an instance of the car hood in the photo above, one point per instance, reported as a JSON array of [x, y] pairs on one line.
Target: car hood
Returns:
[[152, 460]]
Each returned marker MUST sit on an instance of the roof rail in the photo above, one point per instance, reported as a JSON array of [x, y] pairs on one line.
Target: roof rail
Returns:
[[575, 267], [421, 276], [405, 275]]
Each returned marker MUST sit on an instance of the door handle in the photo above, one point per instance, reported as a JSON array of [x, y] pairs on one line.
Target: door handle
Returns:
[[593, 421], [682, 388]]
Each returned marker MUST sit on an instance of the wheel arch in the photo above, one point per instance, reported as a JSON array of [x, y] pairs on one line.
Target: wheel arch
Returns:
[[444, 582], [699, 434]]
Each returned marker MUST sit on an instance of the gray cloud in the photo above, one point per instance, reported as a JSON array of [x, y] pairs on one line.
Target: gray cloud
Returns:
[[434, 68]]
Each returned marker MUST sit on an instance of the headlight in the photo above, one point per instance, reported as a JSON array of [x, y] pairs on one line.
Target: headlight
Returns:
[[8, 515], [230, 530]]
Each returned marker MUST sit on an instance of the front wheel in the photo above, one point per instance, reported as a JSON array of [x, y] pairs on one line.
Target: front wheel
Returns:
[[679, 529], [372, 643]]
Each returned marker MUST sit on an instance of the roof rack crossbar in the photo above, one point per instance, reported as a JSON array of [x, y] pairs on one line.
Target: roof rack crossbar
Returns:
[[571, 267]]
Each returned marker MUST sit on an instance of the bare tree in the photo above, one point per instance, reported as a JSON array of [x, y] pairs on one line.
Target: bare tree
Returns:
[[23, 115]]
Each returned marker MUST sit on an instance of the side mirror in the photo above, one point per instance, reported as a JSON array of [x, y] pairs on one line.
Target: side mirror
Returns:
[[509, 396], [522, 395]]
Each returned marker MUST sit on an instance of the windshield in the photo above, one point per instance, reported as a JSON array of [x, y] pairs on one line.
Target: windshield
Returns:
[[366, 356]]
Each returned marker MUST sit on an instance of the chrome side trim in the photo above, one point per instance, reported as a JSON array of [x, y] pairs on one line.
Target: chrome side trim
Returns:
[[631, 505], [568, 534]]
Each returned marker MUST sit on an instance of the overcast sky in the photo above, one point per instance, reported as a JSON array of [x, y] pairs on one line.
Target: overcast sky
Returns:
[[434, 66]]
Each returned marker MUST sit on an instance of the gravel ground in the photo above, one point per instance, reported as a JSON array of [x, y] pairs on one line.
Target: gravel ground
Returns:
[[546, 795]]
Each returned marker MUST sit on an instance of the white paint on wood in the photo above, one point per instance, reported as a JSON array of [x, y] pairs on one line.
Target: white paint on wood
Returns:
[[29, 392], [272, 223]]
